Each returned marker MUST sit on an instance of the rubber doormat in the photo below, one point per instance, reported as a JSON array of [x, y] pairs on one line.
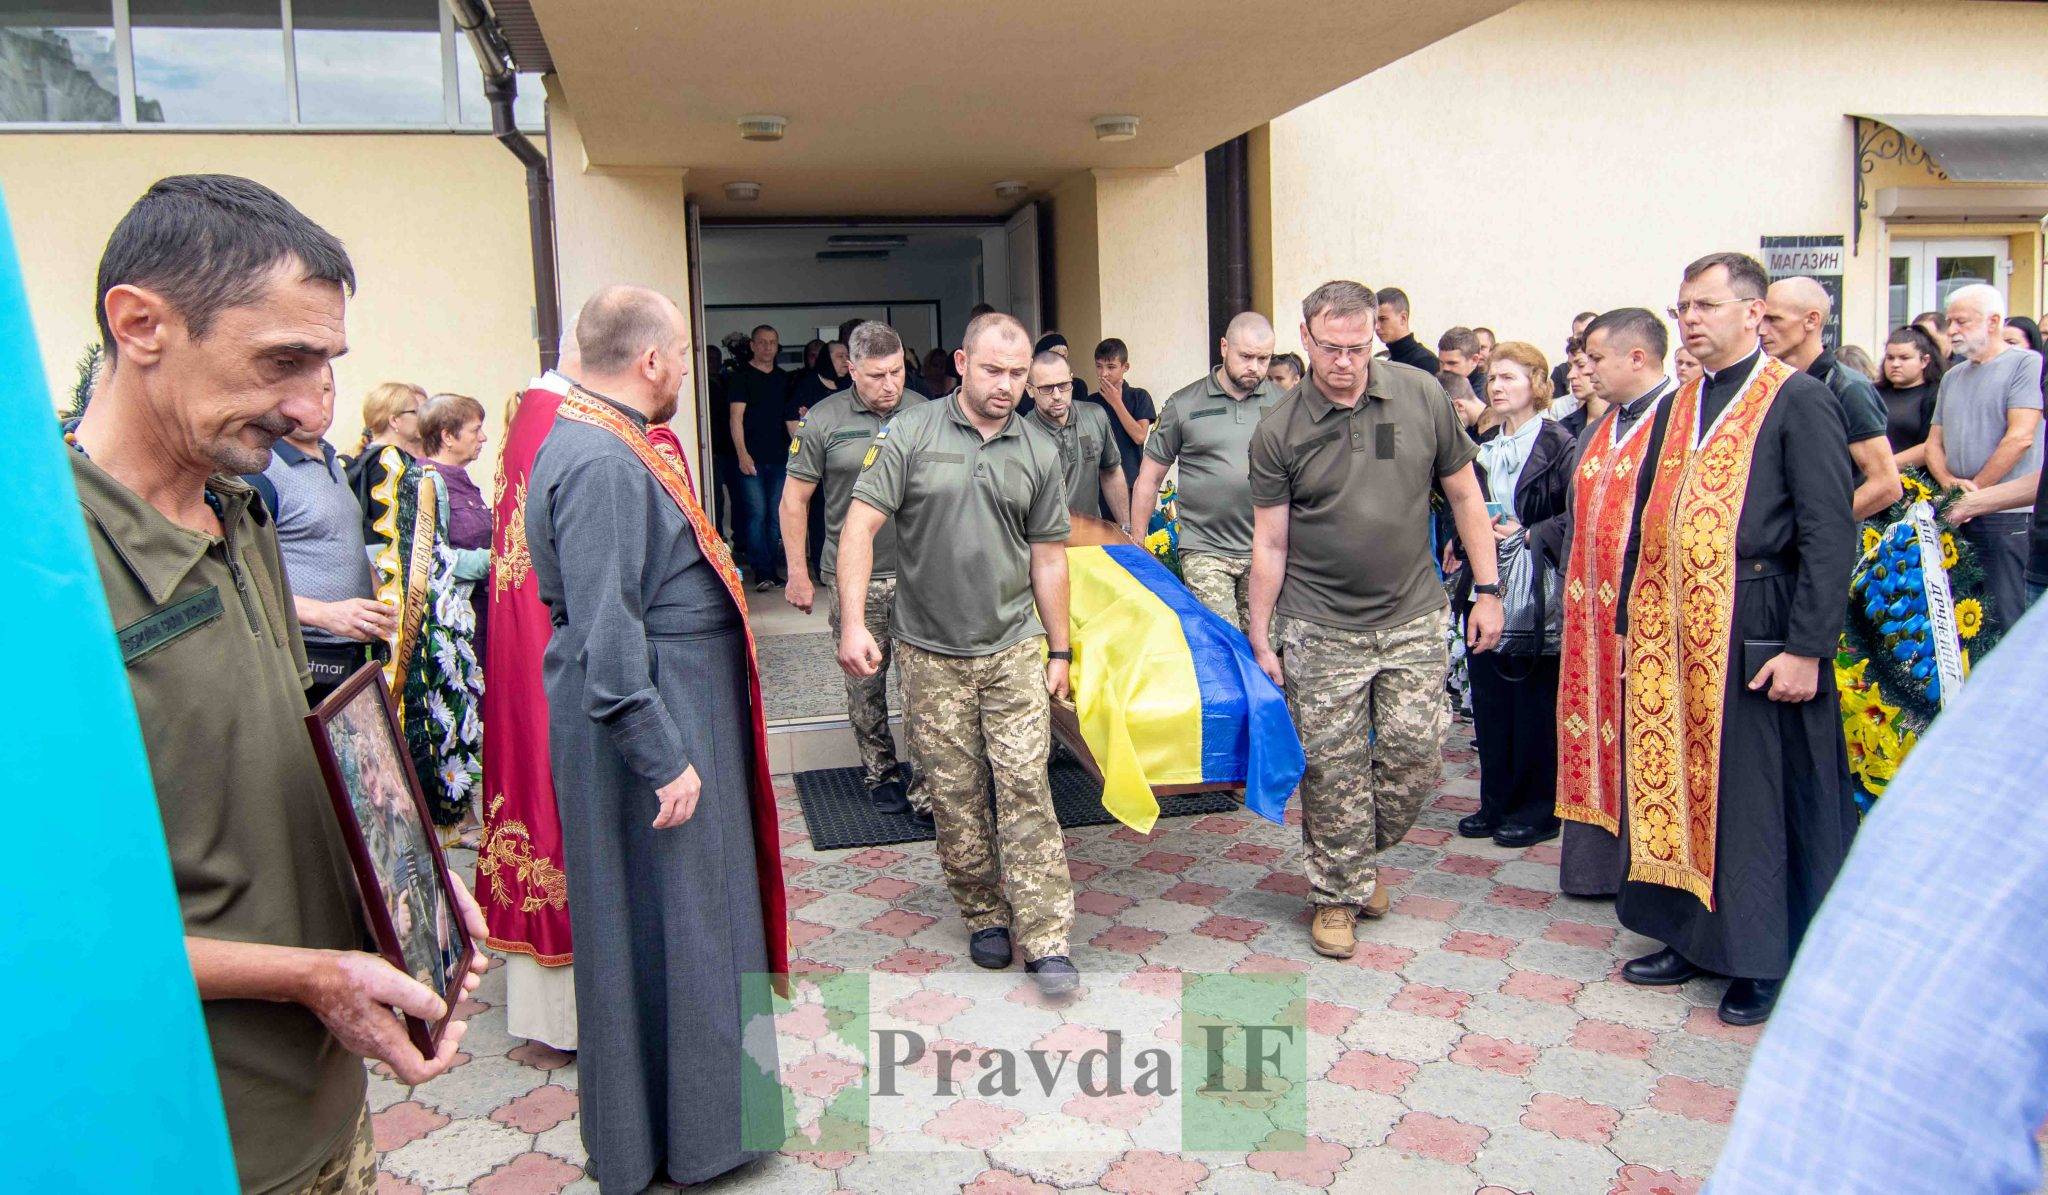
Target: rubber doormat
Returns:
[[839, 816]]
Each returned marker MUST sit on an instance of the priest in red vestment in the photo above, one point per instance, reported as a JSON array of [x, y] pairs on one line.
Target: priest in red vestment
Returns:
[[1626, 350], [520, 877]]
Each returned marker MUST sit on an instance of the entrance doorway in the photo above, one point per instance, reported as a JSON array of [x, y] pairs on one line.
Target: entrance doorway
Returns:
[[804, 279], [1925, 273]]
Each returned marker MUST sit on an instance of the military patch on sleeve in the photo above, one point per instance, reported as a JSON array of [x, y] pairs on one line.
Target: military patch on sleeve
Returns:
[[795, 445], [874, 450]]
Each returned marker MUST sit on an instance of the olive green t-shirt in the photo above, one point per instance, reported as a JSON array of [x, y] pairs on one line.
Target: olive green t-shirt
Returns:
[[829, 445], [1356, 484], [966, 512], [1086, 449], [1210, 434], [218, 675]]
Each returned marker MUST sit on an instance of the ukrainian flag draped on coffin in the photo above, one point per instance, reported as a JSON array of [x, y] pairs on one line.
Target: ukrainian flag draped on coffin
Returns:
[[1168, 693]]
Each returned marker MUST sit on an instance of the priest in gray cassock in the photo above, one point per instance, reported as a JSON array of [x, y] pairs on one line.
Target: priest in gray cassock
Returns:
[[654, 727]]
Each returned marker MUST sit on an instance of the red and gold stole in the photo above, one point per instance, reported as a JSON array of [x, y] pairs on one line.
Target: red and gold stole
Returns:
[[520, 878], [1680, 619], [1589, 784], [583, 408]]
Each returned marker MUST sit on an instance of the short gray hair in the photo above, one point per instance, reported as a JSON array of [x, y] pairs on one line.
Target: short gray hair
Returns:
[[621, 322], [1987, 298], [1337, 300], [872, 339]]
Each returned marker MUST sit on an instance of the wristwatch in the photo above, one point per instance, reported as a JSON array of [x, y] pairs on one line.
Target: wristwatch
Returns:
[[1060, 655], [1490, 589]]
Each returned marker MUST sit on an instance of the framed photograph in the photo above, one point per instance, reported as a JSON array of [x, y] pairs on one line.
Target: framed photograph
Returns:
[[400, 870]]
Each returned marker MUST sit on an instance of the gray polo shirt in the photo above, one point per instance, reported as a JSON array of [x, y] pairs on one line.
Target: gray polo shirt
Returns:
[[1210, 434], [319, 530], [967, 511], [1971, 407], [828, 448], [1356, 484], [1086, 449]]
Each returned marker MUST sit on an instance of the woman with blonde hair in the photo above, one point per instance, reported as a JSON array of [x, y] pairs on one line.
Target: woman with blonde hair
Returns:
[[1525, 467], [431, 665], [391, 415]]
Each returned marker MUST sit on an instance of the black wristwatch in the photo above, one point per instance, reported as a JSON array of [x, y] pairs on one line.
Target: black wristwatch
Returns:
[[1060, 655], [1490, 589]]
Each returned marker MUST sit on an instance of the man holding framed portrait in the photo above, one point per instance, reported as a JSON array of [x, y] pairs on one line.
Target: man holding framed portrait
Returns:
[[220, 306]]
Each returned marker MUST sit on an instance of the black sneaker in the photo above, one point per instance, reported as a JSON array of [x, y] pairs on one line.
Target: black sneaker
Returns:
[[1055, 974], [990, 948], [889, 797]]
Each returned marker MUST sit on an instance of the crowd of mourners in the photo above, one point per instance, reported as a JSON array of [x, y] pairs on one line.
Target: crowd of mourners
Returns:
[[1643, 570]]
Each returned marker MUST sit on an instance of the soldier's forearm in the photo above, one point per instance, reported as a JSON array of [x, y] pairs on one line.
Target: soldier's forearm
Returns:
[[1116, 497]]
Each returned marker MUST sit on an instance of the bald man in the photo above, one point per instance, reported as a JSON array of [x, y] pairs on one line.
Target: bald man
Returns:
[[660, 775], [1795, 311], [1206, 426]]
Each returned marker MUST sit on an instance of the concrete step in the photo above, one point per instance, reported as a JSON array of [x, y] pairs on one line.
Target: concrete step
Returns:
[[807, 744]]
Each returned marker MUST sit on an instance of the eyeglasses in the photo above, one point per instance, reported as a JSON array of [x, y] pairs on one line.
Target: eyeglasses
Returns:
[[1054, 390], [1702, 306], [1342, 351]]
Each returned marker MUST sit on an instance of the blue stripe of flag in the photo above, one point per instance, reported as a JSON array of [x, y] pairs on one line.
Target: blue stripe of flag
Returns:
[[1247, 733]]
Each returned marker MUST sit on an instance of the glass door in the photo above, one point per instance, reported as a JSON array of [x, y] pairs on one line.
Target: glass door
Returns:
[[1925, 273]]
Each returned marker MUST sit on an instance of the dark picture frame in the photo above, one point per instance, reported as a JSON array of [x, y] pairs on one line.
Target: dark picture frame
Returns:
[[402, 873]]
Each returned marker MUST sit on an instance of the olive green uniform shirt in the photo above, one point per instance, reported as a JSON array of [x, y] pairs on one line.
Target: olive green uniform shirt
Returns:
[[966, 512], [1210, 434], [1086, 449], [828, 448], [218, 675], [1356, 484]]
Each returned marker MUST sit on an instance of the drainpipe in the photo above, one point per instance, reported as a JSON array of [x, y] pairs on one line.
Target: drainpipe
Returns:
[[501, 88]]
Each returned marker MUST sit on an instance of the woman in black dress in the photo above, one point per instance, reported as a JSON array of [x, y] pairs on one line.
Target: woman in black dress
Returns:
[[1525, 467]]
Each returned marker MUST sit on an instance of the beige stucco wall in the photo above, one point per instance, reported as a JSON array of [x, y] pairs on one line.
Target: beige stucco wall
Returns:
[[1152, 249], [436, 225], [1567, 154], [1076, 264], [619, 226]]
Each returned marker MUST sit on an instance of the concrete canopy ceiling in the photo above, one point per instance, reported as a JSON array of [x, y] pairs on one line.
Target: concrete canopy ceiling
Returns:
[[905, 107]]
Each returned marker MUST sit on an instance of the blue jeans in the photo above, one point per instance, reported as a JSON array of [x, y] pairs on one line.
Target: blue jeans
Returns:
[[759, 518]]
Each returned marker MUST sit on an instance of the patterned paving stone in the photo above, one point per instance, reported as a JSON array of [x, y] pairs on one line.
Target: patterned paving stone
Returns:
[[1477, 1039]]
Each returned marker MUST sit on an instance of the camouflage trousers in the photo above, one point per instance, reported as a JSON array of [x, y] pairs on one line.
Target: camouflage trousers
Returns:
[[351, 1169], [967, 720], [1370, 708], [867, 697], [1222, 583]]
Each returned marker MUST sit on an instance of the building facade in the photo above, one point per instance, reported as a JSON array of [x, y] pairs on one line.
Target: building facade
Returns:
[[1506, 165]]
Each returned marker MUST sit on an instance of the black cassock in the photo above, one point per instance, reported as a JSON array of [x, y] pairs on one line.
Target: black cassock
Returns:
[[1786, 813]]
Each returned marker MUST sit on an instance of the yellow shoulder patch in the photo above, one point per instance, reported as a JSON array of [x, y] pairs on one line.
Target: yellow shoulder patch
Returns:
[[794, 446], [869, 459]]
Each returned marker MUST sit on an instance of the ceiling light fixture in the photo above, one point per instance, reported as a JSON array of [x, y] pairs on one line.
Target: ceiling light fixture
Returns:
[[1010, 188], [1115, 128], [763, 127], [743, 192]]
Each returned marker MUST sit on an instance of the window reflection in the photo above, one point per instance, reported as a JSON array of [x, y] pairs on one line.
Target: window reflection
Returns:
[[208, 61], [529, 108], [57, 62], [364, 62]]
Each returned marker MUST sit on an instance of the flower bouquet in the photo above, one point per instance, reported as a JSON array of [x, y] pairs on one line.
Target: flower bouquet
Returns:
[[1162, 530], [1916, 615]]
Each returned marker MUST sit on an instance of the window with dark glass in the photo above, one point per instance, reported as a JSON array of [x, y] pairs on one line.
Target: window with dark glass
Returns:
[[57, 63], [368, 62], [209, 61]]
